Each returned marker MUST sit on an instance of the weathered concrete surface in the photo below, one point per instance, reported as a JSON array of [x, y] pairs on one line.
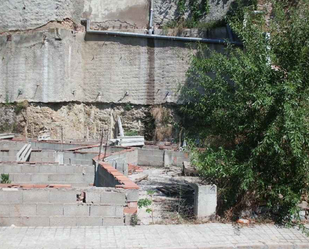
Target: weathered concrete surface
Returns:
[[41, 68], [120, 13], [30, 14], [105, 14], [211, 235]]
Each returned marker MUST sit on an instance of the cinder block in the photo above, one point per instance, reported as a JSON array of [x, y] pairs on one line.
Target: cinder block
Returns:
[[29, 168], [12, 197], [93, 197], [89, 221], [39, 178], [84, 169], [132, 194], [74, 210], [62, 196], [21, 177], [22, 210], [62, 221], [35, 196], [66, 169], [57, 177], [119, 211], [113, 198], [113, 221], [9, 169], [48, 168], [102, 211], [49, 209], [35, 221]]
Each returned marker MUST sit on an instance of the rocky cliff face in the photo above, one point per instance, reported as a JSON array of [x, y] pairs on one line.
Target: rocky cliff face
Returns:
[[84, 122]]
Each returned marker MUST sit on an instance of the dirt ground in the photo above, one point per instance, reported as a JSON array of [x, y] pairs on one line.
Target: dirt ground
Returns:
[[172, 199]]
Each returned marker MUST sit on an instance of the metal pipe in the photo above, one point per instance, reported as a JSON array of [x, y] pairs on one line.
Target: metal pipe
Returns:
[[229, 32], [160, 37], [150, 30]]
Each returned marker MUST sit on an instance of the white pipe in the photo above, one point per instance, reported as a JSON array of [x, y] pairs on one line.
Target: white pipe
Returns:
[[150, 30], [161, 37]]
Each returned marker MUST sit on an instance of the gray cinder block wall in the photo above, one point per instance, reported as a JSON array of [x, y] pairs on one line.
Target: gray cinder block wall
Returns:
[[62, 207]]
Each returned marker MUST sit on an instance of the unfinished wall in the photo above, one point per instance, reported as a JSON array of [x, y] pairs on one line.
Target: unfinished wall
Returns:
[[60, 207], [44, 173]]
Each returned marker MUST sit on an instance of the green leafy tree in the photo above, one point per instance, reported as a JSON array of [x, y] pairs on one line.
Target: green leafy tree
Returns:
[[249, 107]]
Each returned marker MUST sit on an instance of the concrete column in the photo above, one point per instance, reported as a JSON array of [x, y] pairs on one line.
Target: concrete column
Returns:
[[205, 201]]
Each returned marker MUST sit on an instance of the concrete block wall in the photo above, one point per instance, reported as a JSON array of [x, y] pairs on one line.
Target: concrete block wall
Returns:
[[7, 155], [61, 207], [175, 158], [151, 157], [43, 156], [49, 145], [76, 158], [9, 150], [160, 158], [120, 160], [49, 174]]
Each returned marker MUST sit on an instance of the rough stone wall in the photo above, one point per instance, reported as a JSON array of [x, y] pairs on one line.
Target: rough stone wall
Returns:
[[78, 121], [167, 10]]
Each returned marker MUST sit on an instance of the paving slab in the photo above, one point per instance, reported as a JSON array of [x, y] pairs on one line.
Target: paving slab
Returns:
[[204, 236]]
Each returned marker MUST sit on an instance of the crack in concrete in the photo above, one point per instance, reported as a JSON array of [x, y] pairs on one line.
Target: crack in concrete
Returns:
[[66, 23]]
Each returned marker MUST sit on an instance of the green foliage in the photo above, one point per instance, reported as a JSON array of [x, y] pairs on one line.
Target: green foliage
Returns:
[[144, 203], [249, 107], [197, 9], [128, 107], [147, 203], [5, 179], [131, 133]]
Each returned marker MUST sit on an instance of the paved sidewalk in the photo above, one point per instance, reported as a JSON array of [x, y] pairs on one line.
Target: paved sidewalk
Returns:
[[212, 235]]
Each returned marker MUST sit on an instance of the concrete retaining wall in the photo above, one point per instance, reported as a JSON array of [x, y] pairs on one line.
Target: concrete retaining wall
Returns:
[[60, 207]]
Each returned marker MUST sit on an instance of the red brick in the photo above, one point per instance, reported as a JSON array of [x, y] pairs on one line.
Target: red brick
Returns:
[[59, 186], [129, 210]]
